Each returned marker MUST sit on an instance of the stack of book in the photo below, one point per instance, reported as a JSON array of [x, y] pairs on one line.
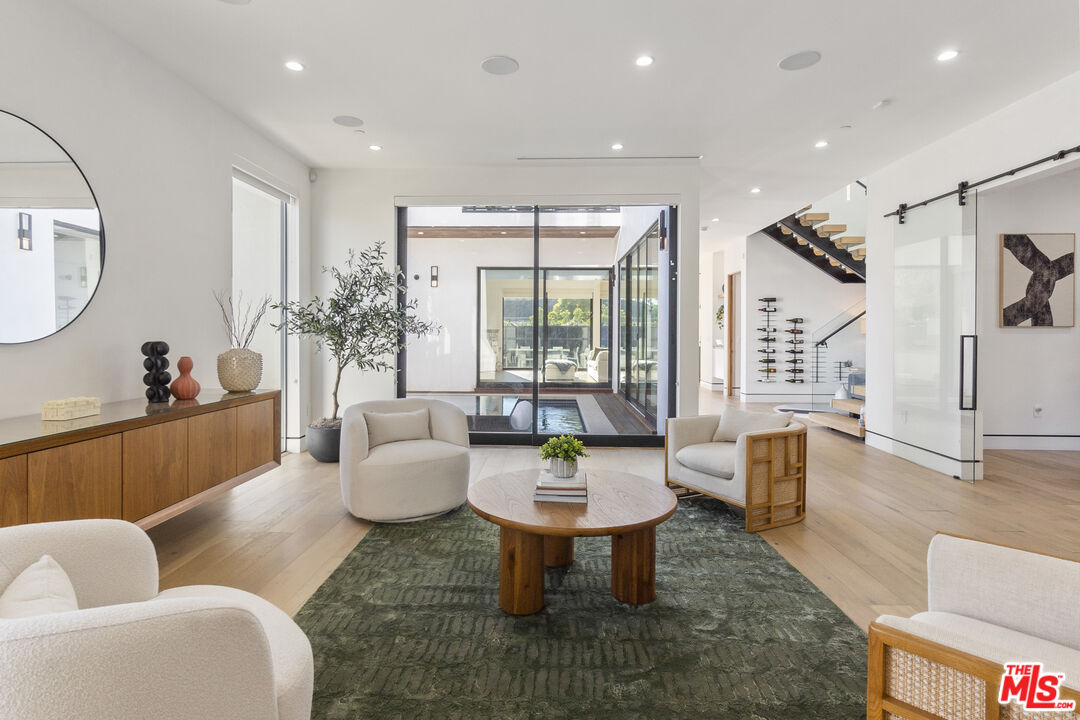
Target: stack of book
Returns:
[[564, 490]]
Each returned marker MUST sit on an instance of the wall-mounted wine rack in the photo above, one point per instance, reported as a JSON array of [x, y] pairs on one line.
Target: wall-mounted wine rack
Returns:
[[796, 365], [767, 337]]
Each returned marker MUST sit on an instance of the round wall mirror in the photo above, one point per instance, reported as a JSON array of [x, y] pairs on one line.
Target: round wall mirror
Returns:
[[52, 243]]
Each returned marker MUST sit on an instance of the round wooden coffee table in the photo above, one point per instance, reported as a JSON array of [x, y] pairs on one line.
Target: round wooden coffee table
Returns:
[[531, 534]]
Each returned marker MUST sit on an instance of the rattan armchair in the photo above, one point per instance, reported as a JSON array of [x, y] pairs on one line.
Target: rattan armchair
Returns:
[[988, 605], [763, 472]]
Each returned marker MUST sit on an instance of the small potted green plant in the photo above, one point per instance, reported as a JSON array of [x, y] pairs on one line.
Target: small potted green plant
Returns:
[[563, 452]]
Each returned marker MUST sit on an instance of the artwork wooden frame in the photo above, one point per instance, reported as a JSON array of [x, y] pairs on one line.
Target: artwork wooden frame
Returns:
[[1037, 280]]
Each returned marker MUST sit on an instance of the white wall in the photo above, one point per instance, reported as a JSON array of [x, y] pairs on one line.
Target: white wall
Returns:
[[801, 290], [1033, 127], [354, 208], [159, 157], [1026, 367]]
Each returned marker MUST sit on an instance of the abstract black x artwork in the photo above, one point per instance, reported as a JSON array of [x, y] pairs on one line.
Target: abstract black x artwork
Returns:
[[1038, 283]]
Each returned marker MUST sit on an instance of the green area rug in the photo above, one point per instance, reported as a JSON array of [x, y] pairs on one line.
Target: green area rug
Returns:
[[409, 627]]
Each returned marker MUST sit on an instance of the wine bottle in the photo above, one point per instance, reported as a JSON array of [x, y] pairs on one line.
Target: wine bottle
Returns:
[[795, 320], [767, 370], [794, 341]]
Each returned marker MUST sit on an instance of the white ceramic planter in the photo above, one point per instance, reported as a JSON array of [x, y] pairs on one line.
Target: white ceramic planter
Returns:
[[563, 468]]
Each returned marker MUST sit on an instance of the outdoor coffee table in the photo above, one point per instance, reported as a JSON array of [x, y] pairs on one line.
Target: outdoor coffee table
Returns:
[[531, 534]]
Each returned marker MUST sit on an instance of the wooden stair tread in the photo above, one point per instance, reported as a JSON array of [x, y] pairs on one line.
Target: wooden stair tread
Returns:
[[784, 230], [851, 405], [813, 218], [801, 241], [843, 423], [830, 230], [818, 252], [859, 390], [834, 262], [849, 241]]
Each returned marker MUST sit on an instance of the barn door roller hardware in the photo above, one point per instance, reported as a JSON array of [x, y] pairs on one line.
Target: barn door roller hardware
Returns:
[[962, 187]]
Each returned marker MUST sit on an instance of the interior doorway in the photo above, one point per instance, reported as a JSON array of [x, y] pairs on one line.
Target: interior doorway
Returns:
[[732, 290]]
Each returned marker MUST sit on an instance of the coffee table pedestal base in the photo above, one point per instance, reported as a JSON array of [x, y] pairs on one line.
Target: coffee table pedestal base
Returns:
[[633, 566], [558, 551], [521, 572]]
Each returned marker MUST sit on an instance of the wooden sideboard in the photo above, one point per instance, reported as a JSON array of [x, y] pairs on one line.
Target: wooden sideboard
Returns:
[[139, 462]]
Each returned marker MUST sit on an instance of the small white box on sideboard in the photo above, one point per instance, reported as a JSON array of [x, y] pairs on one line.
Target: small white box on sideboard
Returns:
[[70, 408]]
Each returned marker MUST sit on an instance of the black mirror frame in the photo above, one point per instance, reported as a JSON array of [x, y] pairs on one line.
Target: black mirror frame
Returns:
[[101, 221]]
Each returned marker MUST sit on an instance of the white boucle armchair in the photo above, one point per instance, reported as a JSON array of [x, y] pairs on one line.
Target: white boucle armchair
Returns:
[[762, 471], [130, 652], [408, 479]]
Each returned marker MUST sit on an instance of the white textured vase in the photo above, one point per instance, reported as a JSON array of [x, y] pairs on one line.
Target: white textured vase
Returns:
[[563, 468], [239, 370]]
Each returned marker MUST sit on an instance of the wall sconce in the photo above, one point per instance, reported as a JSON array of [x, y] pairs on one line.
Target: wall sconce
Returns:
[[26, 237], [434, 276]]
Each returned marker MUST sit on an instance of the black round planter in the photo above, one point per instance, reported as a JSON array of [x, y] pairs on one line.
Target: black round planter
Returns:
[[324, 443]]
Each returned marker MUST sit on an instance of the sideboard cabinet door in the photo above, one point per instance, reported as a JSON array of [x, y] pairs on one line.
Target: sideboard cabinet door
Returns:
[[71, 482], [211, 450], [255, 435], [13, 490], [155, 468]]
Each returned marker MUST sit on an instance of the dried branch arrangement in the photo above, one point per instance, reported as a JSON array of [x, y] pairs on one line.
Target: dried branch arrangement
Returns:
[[243, 320]]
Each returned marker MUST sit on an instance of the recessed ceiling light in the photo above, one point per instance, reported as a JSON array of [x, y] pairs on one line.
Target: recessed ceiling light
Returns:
[[755, 190], [715, 220], [847, 126], [374, 147], [644, 60], [616, 146], [800, 60], [503, 232], [881, 104], [348, 121], [294, 65], [499, 65], [821, 143], [419, 232], [947, 55], [581, 232]]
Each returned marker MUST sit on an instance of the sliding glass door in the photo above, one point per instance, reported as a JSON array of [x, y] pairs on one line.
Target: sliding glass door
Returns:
[[641, 339], [524, 296]]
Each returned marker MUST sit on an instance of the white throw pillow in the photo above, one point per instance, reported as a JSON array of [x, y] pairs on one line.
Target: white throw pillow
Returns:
[[40, 589], [734, 422], [394, 427]]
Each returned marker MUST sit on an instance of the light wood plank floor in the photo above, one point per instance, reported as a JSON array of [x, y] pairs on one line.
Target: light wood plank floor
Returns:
[[870, 518]]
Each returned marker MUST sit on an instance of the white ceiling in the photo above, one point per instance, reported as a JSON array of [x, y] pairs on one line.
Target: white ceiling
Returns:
[[411, 70]]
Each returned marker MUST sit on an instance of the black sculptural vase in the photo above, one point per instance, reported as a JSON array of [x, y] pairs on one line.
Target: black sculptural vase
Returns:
[[157, 375]]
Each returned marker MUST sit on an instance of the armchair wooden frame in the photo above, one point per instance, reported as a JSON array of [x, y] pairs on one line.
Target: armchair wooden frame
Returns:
[[775, 477], [946, 679]]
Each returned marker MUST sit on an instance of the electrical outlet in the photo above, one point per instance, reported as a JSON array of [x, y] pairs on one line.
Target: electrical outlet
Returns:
[[1036, 411]]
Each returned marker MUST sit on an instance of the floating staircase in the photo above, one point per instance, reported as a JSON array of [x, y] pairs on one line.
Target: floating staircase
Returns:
[[823, 244]]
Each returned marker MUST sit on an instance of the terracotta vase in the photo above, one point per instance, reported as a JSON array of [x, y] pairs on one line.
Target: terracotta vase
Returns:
[[185, 387]]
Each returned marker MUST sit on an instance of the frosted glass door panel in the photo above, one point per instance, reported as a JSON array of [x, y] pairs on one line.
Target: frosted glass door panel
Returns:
[[934, 308]]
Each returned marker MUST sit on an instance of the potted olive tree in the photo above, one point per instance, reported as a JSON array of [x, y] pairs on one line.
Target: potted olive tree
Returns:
[[361, 324]]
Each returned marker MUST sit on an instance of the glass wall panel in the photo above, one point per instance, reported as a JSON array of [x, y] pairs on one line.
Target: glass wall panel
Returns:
[[529, 346], [471, 270]]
